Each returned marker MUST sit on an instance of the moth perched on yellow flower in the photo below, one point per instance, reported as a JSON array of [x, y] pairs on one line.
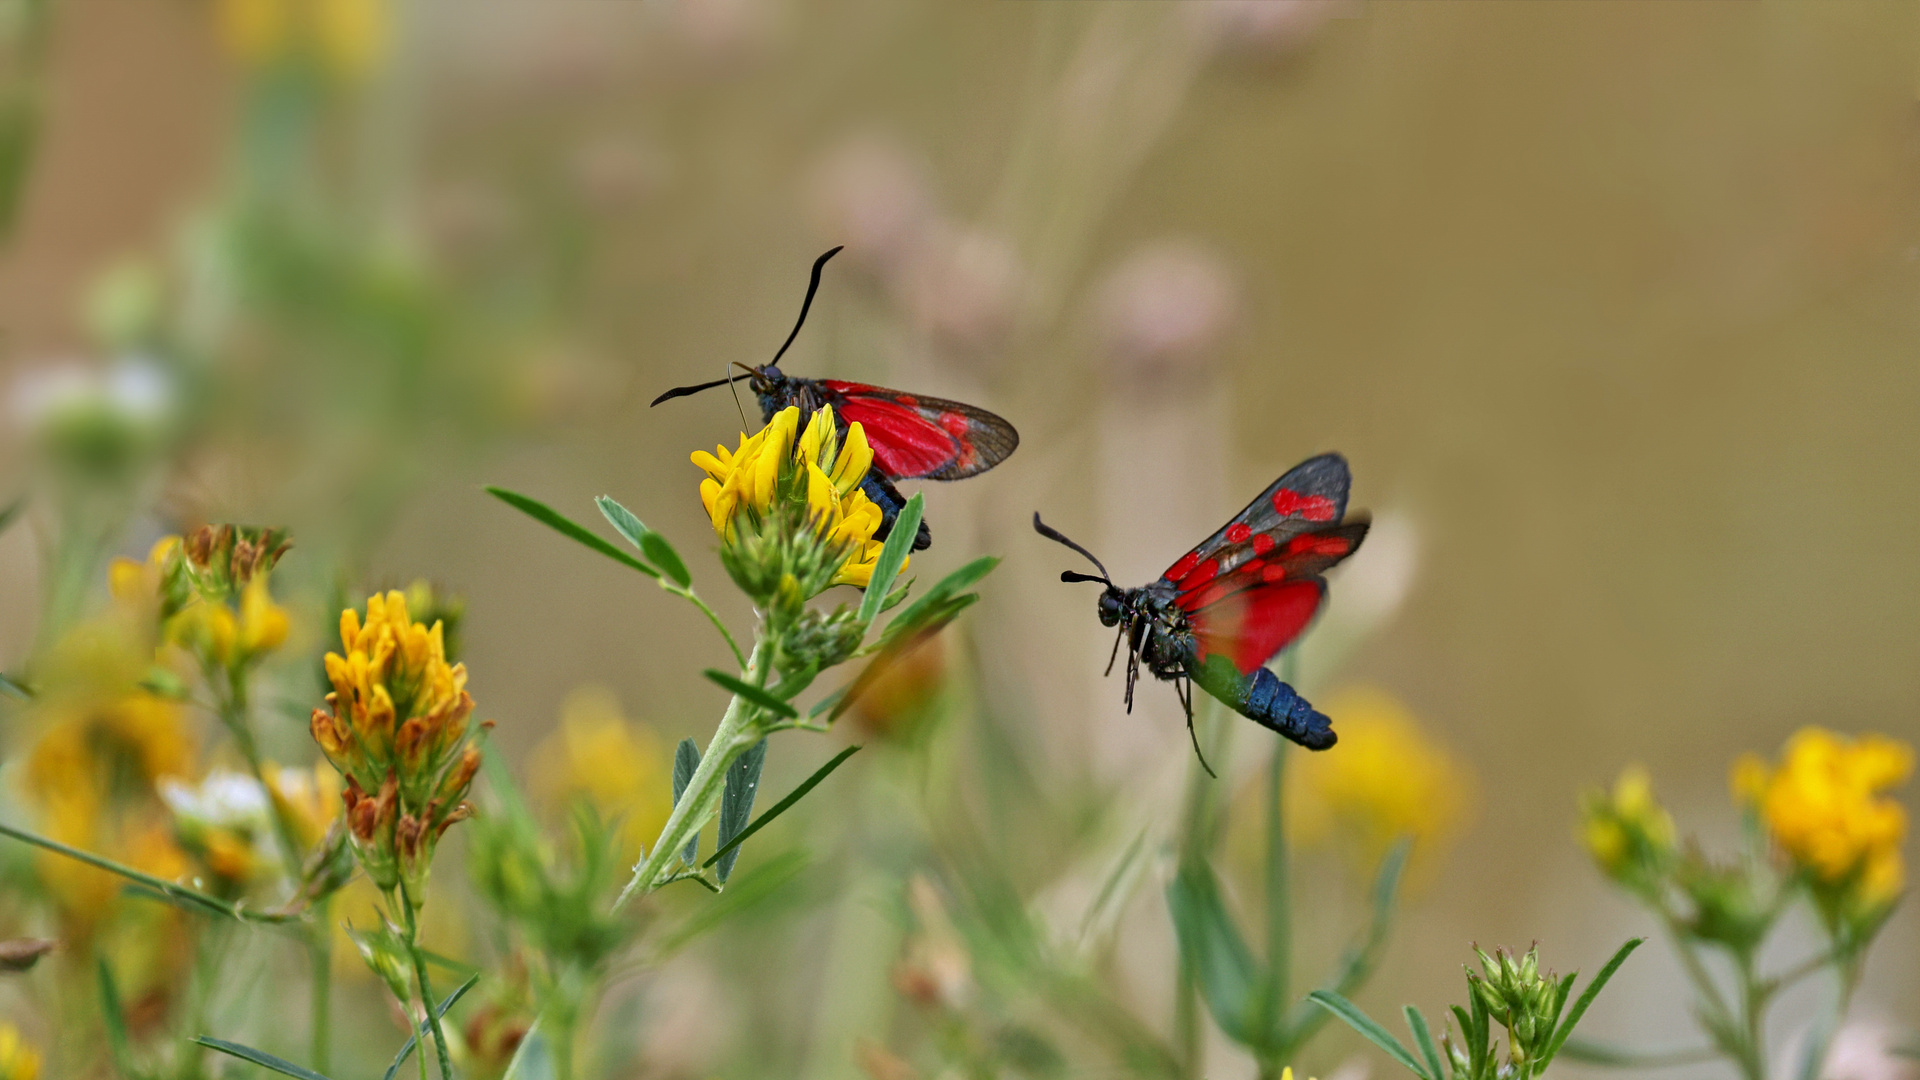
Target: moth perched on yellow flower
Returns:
[[789, 510]]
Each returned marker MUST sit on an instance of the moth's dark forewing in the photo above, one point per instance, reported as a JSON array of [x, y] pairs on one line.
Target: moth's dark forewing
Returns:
[[1311, 494], [922, 438]]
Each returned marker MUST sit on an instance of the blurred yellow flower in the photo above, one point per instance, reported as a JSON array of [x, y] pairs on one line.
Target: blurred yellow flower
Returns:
[[222, 637], [347, 37], [398, 733], [1387, 781], [309, 798], [810, 483], [1629, 834], [1825, 807], [619, 767], [18, 1061]]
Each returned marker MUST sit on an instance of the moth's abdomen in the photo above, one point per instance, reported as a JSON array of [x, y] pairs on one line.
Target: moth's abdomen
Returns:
[[1273, 704]]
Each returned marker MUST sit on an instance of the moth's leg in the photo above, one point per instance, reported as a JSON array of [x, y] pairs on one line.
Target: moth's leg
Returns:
[[1184, 690]]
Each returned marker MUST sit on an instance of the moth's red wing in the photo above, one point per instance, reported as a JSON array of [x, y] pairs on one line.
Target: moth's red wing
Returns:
[[1268, 593], [915, 437], [1309, 496]]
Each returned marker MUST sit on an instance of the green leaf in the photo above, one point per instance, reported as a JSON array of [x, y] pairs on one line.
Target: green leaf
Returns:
[[119, 1045], [946, 587], [1466, 1033], [1595, 1052], [11, 512], [892, 649], [757, 884], [736, 803], [1369, 1029], [532, 1061], [651, 543], [1586, 998], [406, 1051], [552, 518], [686, 758], [753, 694], [1423, 1038], [829, 702], [14, 689], [729, 843], [892, 557], [1211, 945], [258, 1057]]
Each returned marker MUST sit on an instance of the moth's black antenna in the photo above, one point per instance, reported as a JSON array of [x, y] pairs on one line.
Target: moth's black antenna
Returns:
[[813, 286], [1055, 535], [683, 391]]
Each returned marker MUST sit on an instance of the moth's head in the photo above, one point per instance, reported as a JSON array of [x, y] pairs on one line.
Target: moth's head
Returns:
[[1113, 606], [765, 379]]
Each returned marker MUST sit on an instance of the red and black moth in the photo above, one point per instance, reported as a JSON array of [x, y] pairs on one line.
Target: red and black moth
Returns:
[[1226, 608], [913, 436]]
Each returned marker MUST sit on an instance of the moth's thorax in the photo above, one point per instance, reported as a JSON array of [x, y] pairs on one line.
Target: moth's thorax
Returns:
[[778, 390], [1162, 631]]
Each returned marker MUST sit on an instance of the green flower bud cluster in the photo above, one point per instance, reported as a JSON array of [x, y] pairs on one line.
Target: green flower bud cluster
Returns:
[[817, 640], [1518, 997]]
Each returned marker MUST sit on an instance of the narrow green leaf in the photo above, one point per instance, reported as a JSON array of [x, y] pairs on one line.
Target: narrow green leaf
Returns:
[[891, 651], [793, 685], [686, 758], [118, 1043], [258, 1057], [1213, 949], [729, 844], [892, 557], [533, 1060], [1423, 1038], [1369, 1029], [754, 694], [760, 883], [951, 585], [12, 511], [573, 530], [14, 689], [736, 804], [650, 543], [1560, 995], [828, 702], [1586, 998], [1466, 1034], [406, 1051]]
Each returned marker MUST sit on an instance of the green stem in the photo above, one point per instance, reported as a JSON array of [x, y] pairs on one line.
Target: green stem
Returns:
[[735, 735], [1279, 897], [320, 959], [212, 904], [426, 988]]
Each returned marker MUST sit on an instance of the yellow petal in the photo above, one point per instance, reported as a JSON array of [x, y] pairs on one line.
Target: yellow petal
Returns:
[[856, 457]]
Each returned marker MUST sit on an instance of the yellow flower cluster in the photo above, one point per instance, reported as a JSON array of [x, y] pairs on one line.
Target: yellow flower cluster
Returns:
[[178, 590], [1388, 781], [811, 481], [1630, 835], [18, 1060], [398, 732], [346, 37], [1825, 807]]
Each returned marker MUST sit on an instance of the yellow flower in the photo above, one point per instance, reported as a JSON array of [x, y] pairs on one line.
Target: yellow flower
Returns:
[[347, 37], [18, 1061], [784, 480], [1629, 834], [620, 768], [398, 732], [310, 799], [1825, 808], [1388, 781]]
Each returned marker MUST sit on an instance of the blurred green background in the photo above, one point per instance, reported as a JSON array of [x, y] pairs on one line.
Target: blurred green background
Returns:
[[1611, 305]]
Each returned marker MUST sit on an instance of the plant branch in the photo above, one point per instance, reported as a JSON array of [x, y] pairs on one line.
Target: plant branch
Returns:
[[426, 988], [167, 889], [688, 595]]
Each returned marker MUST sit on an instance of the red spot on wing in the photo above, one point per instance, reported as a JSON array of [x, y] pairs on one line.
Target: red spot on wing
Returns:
[[1238, 532], [1318, 544], [1290, 503], [905, 443], [1271, 574], [908, 400], [1262, 544], [1178, 571], [1249, 627], [955, 424]]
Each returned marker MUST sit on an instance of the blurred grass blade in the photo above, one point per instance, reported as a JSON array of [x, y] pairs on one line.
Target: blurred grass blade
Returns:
[[831, 701], [729, 843], [893, 648], [179, 895], [1371, 1031], [532, 1061], [1586, 998], [13, 689], [892, 557], [686, 758], [948, 586], [760, 883], [1211, 945], [413, 1038], [650, 543], [1357, 962], [754, 694], [736, 805], [1423, 1038], [119, 1045], [553, 519], [258, 1057], [12, 511], [1115, 891]]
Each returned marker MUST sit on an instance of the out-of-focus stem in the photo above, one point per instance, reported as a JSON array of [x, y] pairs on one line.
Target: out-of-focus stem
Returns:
[[320, 959], [426, 988]]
